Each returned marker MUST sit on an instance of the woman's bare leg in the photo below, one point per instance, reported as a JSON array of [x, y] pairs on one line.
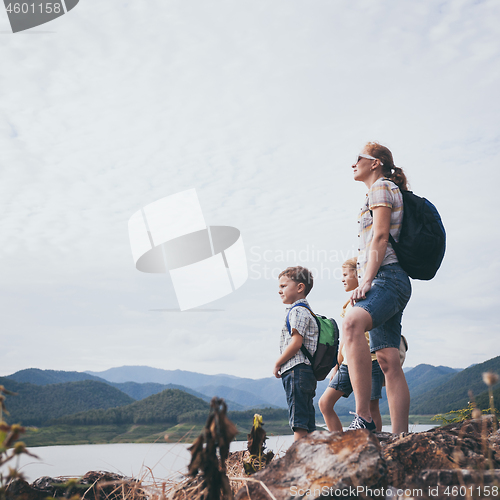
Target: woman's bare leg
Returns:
[[354, 326], [398, 394]]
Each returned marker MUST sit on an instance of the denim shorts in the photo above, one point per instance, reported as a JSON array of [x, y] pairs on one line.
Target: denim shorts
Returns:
[[299, 383], [388, 296], [342, 382]]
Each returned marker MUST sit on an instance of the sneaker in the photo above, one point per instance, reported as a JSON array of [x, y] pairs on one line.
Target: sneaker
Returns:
[[360, 423]]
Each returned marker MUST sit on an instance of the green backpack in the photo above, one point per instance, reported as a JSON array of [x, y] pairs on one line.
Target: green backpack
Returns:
[[325, 357]]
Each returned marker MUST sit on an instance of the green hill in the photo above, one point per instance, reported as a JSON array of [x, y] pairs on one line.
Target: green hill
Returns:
[[35, 404], [421, 379], [141, 391], [134, 389], [46, 377], [453, 394], [425, 377], [164, 407], [483, 400]]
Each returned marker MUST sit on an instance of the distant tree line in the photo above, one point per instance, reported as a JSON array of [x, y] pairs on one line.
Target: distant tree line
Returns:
[[36, 405], [164, 407], [238, 417]]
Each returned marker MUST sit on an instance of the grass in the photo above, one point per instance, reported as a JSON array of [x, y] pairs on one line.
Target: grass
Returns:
[[68, 434], [127, 433], [104, 434], [156, 433]]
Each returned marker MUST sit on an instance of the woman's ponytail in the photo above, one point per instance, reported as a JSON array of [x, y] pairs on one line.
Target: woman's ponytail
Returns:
[[398, 177], [395, 174]]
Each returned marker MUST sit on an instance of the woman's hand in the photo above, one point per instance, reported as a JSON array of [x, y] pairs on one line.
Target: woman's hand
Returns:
[[360, 292], [334, 371]]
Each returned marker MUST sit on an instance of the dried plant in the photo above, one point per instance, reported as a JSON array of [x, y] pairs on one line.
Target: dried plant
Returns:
[[209, 454], [258, 458], [11, 448], [490, 379]]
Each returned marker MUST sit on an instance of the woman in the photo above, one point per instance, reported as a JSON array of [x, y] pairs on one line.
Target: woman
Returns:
[[383, 292]]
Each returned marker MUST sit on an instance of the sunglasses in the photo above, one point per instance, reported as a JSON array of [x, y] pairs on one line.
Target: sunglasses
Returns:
[[368, 157]]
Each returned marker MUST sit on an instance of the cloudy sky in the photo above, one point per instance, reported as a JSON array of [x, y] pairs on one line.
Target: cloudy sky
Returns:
[[261, 106]]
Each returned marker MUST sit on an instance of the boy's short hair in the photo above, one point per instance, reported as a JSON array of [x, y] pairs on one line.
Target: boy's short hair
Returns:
[[299, 274], [350, 263]]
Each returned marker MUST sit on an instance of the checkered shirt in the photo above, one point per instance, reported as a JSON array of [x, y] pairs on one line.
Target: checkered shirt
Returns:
[[305, 323], [383, 193]]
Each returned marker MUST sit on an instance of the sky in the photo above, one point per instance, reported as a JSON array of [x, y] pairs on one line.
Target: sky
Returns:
[[261, 106]]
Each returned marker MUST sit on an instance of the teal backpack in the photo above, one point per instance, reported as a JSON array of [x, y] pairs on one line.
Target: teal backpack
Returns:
[[325, 357]]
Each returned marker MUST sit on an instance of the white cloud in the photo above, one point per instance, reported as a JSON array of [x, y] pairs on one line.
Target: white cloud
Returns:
[[261, 107]]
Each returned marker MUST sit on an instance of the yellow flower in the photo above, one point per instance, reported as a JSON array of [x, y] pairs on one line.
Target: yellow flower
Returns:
[[257, 421]]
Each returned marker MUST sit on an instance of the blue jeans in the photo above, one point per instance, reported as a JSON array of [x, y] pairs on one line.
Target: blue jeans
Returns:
[[299, 383], [385, 302], [342, 382]]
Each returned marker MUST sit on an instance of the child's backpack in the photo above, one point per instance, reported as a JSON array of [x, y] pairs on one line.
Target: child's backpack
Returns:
[[325, 357], [422, 241]]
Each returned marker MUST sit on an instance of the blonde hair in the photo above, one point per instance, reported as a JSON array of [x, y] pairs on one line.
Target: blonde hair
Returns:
[[350, 263]]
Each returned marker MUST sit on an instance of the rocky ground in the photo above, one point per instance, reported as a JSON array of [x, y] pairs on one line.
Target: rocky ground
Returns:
[[456, 461], [453, 462], [92, 486]]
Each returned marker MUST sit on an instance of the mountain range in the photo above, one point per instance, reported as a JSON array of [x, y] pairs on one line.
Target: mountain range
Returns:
[[457, 391], [54, 394]]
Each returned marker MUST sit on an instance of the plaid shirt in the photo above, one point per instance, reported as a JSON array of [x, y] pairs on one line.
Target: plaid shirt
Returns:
[[383, 193], [305, 323]]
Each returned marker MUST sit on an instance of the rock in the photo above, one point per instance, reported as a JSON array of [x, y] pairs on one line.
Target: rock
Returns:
[[494, 443], [457, 461], [43, 487], [93, 485], [19, 489], [99, 484], [480, 426], [319, 464], [49, 486], [453, 484], [445, 448]]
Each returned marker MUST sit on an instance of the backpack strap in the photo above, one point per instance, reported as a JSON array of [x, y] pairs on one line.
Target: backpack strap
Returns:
[[303, 348]]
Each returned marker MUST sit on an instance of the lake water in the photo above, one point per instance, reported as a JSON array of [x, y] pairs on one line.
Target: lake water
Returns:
[[164, 460]]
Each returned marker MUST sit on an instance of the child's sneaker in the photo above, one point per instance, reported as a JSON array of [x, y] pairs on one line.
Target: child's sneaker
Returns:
[[360, 423]]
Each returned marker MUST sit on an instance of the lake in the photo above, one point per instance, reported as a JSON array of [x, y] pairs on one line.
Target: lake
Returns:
[[165, 460]]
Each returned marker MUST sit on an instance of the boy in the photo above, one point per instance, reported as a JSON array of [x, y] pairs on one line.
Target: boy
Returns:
[[340, 382], [292, 366]]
